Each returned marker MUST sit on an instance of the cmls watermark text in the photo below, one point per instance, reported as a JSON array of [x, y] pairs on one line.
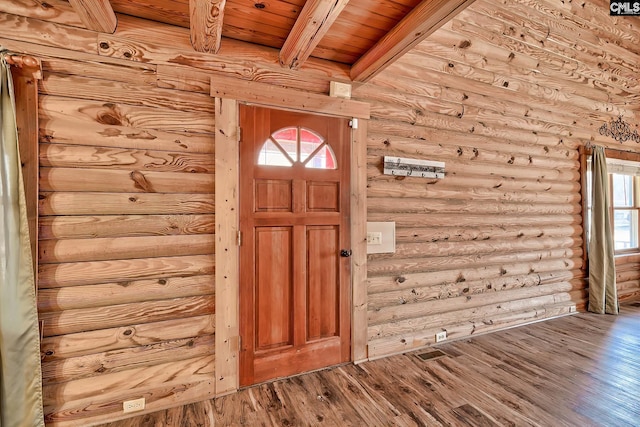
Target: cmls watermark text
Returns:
[[624, 8]]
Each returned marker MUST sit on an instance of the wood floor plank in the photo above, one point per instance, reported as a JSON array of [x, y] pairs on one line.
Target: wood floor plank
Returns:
[[579, 370], [406, 400], [514, 392], [469, 415], [312, 402], [498, 406], [357, 397]]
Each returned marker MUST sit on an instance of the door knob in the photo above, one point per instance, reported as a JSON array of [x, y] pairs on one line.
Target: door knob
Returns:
[[345, 253]]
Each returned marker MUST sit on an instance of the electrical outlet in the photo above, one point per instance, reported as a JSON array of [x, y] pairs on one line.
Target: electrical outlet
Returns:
[[133, 405], [441, 336]]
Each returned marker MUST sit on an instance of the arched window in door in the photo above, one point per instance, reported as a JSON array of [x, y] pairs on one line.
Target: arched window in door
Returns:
[[291, 145]]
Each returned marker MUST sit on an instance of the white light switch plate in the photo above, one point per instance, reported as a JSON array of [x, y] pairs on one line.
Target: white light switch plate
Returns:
[[381, 237], [374, 238]]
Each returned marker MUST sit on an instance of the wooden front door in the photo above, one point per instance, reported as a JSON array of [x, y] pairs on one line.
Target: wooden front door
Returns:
[[294, 222]]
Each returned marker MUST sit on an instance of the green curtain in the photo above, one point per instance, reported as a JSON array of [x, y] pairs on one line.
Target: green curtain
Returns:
[[603, 296], [20, 370]]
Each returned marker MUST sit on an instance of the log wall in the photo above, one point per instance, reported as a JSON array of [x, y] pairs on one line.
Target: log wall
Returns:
[[126, 256], [628, 277], [126, 226], [127, 221], [504, 95]]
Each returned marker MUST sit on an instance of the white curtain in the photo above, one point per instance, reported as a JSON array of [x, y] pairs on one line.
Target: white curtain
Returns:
[[603, 297], [20, 370]]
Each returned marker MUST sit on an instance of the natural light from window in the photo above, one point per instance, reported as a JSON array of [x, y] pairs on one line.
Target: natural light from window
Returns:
[[624, 204], [291, 145], [625, 211]]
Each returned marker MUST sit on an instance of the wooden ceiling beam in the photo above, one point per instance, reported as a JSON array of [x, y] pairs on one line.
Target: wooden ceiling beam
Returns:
[[96, 15], [312, 24], [207, 17], [417, 25]]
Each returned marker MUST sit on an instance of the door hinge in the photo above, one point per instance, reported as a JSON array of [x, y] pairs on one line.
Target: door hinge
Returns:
[[239, 133], [239, 238], [353, 123]]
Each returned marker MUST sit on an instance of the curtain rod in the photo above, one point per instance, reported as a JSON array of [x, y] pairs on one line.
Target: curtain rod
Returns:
[[28, 65], [589, 147], [21, 61], [614, 152]]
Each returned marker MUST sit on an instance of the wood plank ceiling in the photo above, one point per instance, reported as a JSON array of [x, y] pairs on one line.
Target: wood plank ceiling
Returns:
[[365, 34]]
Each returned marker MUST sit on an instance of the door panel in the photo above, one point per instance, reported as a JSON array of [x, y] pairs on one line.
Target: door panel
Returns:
[[274, 286], [323, 196], [323, 302], [273, 195], [294, 217]]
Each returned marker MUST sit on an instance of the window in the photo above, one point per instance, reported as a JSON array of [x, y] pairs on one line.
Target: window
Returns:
[[291, 145], [624, 206], [624, 202]]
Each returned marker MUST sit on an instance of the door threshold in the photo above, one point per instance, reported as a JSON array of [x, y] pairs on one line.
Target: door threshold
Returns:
[[326, 368]]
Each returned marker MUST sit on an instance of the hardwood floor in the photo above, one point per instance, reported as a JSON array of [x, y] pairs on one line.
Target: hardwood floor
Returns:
[[581, 370]]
